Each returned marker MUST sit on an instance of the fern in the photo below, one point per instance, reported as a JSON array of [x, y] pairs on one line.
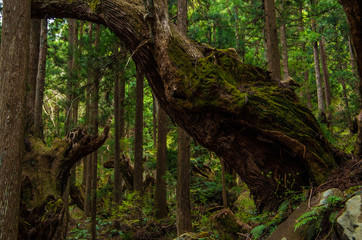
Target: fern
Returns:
[[306, 218]]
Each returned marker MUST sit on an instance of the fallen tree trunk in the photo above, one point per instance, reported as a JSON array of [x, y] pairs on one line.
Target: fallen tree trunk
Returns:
[[44, 179], [252, 121]]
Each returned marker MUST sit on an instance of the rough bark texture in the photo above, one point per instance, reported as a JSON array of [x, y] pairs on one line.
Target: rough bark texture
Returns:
[[271, 36], [327, 89], [13, 78], [183, 206], [161, 166], [94, 128], [283, 41], [40, 79], [117, 137], [138, 145], [33, 70], [44, 179], [241, 113], [319, 83]]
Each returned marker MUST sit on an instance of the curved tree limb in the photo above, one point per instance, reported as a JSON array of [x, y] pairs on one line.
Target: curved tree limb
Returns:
[[256, 124]]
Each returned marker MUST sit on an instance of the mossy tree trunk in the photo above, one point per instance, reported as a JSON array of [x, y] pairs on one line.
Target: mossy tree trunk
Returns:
[[45, 175], [256, 124]]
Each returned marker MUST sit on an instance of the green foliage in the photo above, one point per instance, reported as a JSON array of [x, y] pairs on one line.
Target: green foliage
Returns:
[[317, 214]]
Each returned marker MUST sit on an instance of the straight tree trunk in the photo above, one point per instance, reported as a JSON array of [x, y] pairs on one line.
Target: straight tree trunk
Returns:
[[224, 186], [119, 95], [154, 121], [183, 206], [13, 78], [306, 72], [321, 105], [319, 83], [138, 145], [94, 127], [160, 192], [39, 92], [283, 41], [87, 171], [33, 71], [271, 36], [71, 87], [327, 89]]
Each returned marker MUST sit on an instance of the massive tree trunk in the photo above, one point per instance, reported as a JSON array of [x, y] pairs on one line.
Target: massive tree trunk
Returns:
[[239, 111], [13, 78], [44, 179]]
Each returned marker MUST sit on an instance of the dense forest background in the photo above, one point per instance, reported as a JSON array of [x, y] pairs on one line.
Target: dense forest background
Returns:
[[87, 81]]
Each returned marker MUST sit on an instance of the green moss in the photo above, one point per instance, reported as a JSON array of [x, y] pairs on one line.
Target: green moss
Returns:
[[221, 82]]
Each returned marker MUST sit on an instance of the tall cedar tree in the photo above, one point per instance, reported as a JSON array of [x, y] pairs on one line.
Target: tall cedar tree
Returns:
[[160, 191], [138, 145], [34, 42], [87, 170], [183, 207], [327, 89], [119, 96], [271, 36], [13, 78], [96, 75], [40, 79]]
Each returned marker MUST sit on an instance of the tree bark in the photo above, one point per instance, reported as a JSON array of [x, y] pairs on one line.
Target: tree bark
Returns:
[[87, 171], [94, 128], [44, 180], [33, 71], [183, 206], [161, 165], [138, 145], [119, 96], [40, 79], [236, 110], [13, 79], [271, 36], [327, 89], [319, 83]]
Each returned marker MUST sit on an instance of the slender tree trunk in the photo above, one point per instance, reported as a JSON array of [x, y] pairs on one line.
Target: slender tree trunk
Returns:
[[138, 146], [87, 166], [319, 83], [306, 72], [118, 130], [39, 92], [94, 127], [271, 36], [183, 206], [224, 186], [285, 58], [13, 77], [327, 90], [321, 105], [160, 193], [154, 121], [33, 71]]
